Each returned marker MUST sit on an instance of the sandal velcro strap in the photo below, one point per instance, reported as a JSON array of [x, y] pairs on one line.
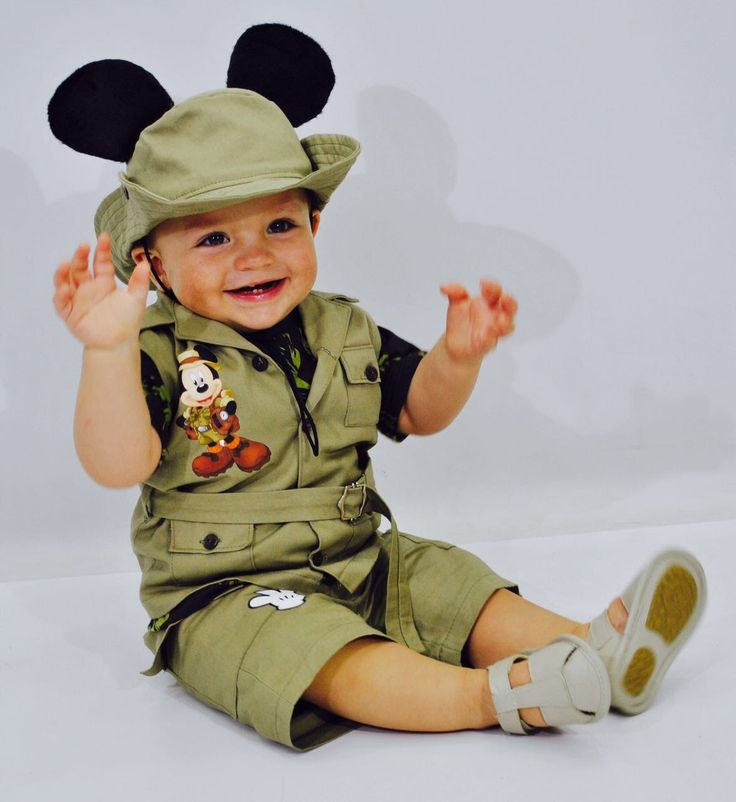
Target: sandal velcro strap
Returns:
[[569, 685], [505, 698], [603, 638]]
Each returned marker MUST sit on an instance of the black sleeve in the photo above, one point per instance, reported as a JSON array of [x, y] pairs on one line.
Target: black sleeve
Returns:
[[397, 363], [157, 398]]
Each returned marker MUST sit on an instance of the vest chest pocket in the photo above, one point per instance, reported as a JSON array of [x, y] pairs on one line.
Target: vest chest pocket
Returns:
[[207, 551], [363, 385]]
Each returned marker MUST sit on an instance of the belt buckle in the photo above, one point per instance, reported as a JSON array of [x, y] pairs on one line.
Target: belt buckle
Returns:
[[343, 498]]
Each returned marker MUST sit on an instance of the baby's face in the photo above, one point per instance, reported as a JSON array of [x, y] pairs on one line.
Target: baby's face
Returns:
[[246, 265]]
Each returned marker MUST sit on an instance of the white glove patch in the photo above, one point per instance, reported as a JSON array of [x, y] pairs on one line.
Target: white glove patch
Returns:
[[280, 599]]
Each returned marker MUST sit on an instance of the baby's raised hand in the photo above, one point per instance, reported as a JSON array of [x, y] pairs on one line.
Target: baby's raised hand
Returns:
[[474, 325], [97, 311]]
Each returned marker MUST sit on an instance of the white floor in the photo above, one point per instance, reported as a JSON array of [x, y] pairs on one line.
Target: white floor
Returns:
[[80, 723]]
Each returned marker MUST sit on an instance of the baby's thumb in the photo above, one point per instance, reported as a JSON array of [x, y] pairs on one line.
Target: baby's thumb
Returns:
[[139, 281], [454, 292]]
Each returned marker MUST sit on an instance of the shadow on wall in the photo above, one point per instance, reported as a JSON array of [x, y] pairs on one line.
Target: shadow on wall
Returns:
[[43, 488], [393, 234], [398, 238]]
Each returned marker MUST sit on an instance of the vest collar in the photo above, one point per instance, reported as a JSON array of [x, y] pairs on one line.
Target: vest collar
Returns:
[[325, 326]]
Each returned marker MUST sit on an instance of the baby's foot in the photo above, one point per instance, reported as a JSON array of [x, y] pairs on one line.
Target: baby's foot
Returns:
[[561, 683], [618, 615]]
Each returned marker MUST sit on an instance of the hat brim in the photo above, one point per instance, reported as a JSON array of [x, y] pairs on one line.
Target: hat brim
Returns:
[[131, 212]]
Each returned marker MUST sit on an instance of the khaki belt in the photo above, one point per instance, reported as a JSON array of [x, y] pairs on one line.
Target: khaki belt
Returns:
[[346, 503]]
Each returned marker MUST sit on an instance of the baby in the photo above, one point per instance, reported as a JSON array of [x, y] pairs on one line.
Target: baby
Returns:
[[245, 404]]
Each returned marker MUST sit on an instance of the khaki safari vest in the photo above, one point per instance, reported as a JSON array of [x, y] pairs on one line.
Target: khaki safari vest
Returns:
[[239, 493]]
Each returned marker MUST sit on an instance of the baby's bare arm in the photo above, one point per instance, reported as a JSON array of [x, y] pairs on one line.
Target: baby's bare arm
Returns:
[[446, 376], [113, 435]]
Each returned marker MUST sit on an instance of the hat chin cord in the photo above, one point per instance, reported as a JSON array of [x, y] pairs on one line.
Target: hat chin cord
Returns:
[[157, 279]]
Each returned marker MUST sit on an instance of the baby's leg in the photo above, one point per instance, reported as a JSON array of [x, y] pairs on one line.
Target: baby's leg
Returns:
[[508, 624], [384, 684], [381, 683]]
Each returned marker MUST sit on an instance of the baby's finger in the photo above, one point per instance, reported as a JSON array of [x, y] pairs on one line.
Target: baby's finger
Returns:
[[491, 291], [503, 325], [64, 290], [61, 274], [102, 262], [80, 256], [482, 327], [508, 304], [79, 271], [454, 292], [61, 300]]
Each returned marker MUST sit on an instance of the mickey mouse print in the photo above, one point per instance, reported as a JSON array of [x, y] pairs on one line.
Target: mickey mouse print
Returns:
[[209, 418], [280, 599]]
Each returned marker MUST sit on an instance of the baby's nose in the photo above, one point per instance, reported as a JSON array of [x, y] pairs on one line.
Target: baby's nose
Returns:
[[252, 255]]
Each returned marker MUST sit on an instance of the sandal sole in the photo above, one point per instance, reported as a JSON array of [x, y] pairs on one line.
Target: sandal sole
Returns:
[[667, 603]]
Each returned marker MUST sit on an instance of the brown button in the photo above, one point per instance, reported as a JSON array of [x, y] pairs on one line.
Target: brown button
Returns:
[[210, 541], [317, 559], [371, 373], [260, 363]]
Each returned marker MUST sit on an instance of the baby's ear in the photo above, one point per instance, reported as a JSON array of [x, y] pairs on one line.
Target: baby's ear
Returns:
[[285, 66], [314, 220], [102, 108]]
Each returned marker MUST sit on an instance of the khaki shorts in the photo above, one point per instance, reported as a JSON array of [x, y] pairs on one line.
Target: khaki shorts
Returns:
[[253, 652]]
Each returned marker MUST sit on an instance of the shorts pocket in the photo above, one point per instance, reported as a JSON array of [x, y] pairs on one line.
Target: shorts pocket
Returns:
[[208, 552], [423, 541], [363, 384]]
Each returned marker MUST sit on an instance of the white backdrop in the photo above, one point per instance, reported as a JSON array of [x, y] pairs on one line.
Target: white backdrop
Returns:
[[580, 152]]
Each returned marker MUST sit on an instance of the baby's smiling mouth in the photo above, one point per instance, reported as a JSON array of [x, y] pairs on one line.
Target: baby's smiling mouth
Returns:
[[257, 290]]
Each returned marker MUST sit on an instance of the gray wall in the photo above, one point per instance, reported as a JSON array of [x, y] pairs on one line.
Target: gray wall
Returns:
[[580, 152]]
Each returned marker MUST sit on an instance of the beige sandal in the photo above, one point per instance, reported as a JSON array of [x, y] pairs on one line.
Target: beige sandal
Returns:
[[569, 684], [664, 603]]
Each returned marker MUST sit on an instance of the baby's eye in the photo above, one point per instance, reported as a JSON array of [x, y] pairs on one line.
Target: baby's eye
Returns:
[[213, 239], [280, 226]]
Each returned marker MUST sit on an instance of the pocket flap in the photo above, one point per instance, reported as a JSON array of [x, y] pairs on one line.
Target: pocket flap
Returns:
[[360, 365], [192, 537]]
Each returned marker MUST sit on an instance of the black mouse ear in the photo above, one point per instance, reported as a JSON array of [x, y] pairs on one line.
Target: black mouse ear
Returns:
[[102, 108], [284, 65]]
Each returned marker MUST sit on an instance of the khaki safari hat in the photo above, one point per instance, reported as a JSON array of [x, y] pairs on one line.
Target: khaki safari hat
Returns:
[[215, 149]]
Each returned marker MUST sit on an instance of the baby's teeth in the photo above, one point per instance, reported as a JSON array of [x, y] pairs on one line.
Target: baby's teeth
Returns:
[[251, 288]]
